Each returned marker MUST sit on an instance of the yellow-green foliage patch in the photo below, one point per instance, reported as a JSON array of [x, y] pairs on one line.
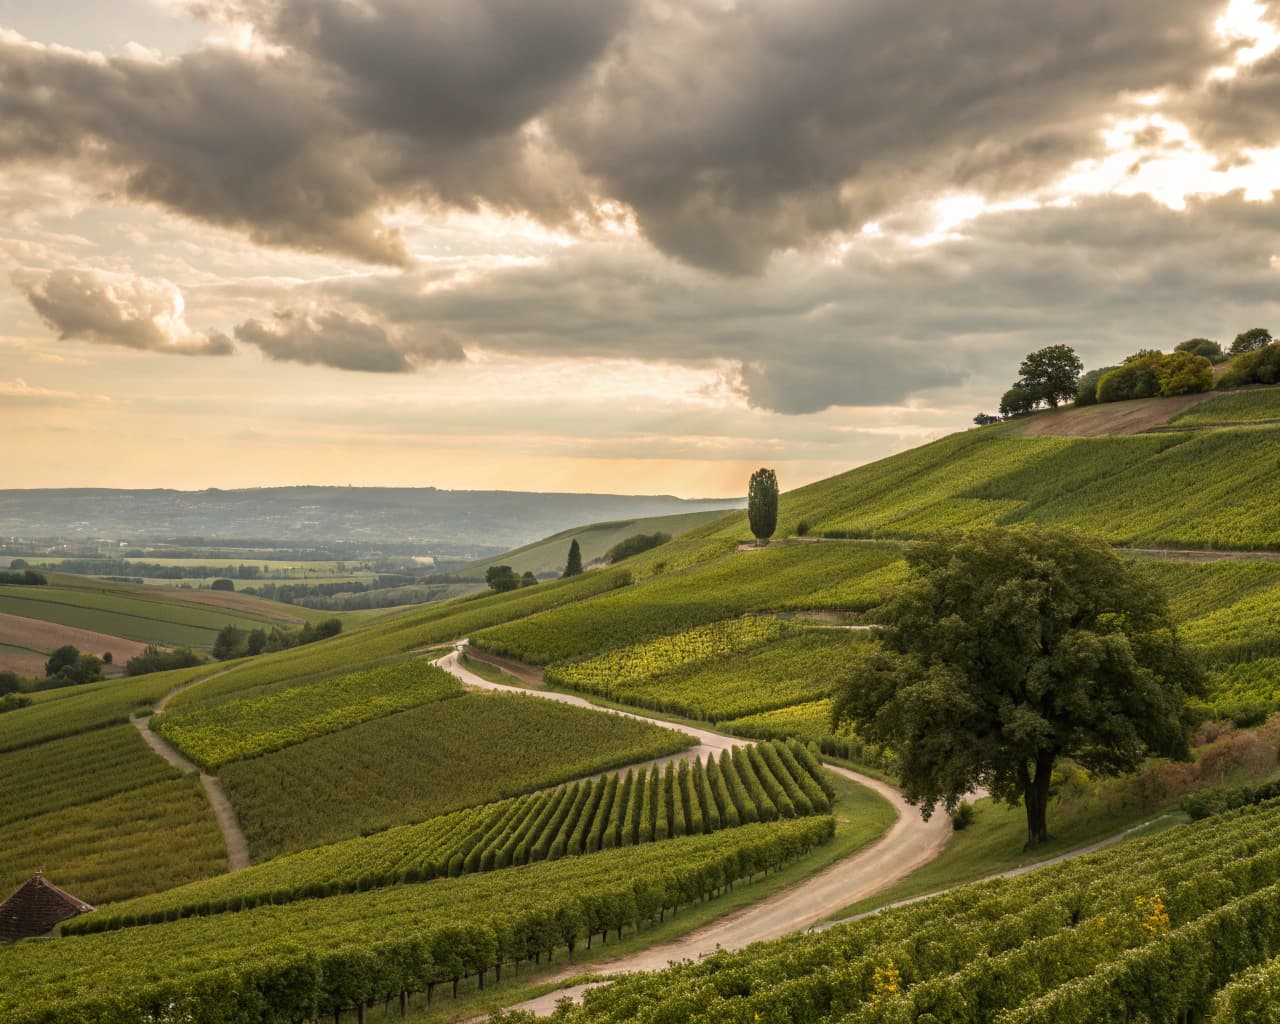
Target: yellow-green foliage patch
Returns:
[[212, 736]]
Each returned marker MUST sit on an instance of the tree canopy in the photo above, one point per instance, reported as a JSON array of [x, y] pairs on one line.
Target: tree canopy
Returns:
[[1251, 340], [762, 503], [1017, 401], [1211, 350], [1010, 649], [573, 564], [501, 578], [1051, 375]]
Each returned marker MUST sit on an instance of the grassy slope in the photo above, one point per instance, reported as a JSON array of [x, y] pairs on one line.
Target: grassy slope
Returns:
[[548, 555], [1193, 488]]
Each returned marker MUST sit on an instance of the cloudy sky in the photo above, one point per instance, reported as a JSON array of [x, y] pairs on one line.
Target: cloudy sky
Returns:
[[602, 245]]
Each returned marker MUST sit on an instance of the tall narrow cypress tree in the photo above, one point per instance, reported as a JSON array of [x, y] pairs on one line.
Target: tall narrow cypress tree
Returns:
[[762, 503], [574, 565]]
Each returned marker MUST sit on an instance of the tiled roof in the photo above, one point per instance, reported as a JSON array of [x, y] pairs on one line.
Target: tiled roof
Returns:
[[36, 908]]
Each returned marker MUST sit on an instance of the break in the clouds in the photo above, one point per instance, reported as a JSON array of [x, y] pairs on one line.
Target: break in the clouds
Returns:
[[732, 130], [116, 309], [854, 212]]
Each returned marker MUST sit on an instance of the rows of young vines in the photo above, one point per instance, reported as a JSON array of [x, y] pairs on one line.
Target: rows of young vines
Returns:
[[688, 797], [326, 955], [1150, 930]]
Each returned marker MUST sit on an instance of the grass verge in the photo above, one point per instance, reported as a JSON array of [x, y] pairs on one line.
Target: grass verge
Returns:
[[992, 844]]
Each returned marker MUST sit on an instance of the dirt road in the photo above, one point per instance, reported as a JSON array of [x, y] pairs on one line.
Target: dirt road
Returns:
[[909, 844], [237, 845]]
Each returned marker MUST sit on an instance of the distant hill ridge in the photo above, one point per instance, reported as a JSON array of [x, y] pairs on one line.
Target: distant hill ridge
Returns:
[[455, 522]]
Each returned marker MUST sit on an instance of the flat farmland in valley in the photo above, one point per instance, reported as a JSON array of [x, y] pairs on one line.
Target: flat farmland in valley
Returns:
[[143, 616], [26, 643]]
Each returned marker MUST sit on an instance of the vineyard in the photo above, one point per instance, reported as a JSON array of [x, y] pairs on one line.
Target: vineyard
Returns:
[[669, 603], [1155, 929], [133, 612], [140, 840], [425, 762], [1245, 407], [55, 714], [212, 736], [1212, 489], [725, 670], [432, 624], [687, 798], [76, 770], [348, 949]]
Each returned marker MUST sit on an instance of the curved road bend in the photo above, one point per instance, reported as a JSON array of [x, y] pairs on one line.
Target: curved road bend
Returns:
[[909, 844]]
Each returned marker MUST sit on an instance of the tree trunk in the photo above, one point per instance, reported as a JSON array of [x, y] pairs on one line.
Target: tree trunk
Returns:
[[1035, 794]]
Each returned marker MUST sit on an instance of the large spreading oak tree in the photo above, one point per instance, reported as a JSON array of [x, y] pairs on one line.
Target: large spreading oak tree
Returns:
[[1010, 649]]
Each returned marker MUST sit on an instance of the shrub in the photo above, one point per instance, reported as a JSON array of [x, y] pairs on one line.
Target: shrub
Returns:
[[635, 545], [223, 584], [962, 816], [1182, 373], [1260, 366]]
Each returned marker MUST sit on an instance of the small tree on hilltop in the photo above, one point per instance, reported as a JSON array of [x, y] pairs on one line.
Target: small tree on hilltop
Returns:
[[1010, 649], [63, 657], [1017, 401], [762, 504], [1051, 375], [501, 578], [1251, 340], [1211, 350], [528, 580], [573, 565]]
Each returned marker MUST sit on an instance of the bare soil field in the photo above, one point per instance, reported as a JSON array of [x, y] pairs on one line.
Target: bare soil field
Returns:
[[21, 660], [1111, 418], [45, 637]]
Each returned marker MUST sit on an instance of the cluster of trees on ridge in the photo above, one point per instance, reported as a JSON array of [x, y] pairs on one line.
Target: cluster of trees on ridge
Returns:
[[234, 642], [503, 578], [1054, 375]]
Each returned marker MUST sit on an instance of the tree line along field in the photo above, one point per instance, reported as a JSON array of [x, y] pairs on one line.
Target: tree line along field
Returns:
[[1164, 928], [344, 950], [427, 761], [613, 811]]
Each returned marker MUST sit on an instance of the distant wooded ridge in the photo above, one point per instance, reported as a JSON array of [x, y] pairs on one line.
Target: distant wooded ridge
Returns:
[[465, 523]]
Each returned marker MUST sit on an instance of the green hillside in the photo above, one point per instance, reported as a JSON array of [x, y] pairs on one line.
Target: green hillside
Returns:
[[548, 556], [405, 831], [1200, 482]]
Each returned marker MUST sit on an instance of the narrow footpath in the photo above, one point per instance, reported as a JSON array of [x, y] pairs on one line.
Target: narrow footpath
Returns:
[[223, 812]]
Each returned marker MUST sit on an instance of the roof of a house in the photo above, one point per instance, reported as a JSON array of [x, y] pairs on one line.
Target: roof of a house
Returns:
[[36, 908]]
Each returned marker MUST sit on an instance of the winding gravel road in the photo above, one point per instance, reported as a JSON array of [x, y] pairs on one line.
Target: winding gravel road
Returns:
[[909, 844]]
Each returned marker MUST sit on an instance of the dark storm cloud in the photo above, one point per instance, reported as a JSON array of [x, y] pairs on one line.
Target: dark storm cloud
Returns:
[[345, 342], [734, 130], [110, 309], [890, 320], [365, 107]]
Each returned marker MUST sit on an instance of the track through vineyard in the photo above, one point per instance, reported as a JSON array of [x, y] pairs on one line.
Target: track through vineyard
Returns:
[[909, 844], [223, 812]]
